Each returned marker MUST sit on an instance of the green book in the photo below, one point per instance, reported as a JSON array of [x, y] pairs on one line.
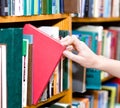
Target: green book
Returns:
[[63, 33], [49, 6], [25, 7], [44, 7], [35, 7], [12, 37]]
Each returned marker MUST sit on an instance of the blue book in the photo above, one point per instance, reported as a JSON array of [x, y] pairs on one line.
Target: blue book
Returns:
[[39, 7], [32, 7], [53, 6], [61, 6]]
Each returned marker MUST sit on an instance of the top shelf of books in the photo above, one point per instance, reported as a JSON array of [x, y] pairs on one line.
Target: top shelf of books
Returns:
[[95, 20], [12, 19]]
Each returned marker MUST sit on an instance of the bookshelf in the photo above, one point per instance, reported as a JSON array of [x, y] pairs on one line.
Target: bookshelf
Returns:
[[95, 20], [63, 21], [105, 22], [15, 19], [76, 22]]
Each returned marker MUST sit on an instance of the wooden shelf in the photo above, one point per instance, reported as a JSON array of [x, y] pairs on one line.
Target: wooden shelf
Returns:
[[107, 78], [14, 19], [95, 20], [55, 97]]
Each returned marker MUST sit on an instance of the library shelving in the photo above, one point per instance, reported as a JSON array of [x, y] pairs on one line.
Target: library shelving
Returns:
[[105, 22], [78, 22], [95, 20], [63, 21]]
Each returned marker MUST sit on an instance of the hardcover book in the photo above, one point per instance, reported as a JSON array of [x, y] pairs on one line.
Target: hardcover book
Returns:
[[12, 37]]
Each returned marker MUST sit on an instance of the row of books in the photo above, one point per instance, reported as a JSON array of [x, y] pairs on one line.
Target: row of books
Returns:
[[30, 7], [107, 97], [29, 57], [102, 41], [93, 8]]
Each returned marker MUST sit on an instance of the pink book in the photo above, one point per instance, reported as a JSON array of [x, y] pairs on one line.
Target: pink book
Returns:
[[47, 53]]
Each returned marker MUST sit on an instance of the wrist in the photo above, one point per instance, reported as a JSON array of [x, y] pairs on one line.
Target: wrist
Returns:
[[99, 62]]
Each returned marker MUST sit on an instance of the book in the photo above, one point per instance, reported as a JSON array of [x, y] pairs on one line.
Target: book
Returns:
[[29, 80], [84, 95], [111, 84], [12, 37], [3, 76], [72, 6], [84, 100], [36, 7], [50, 52], [114, 41], [0, 77], [4, 8], [18, 8], [75, 104], [117, 81], [97, 48], [90, 38], [111, 96], [63, 33], [118, 40], [55, 81], [95, 94], [92, 28], [78, 78], [24, 72], [60, 105]]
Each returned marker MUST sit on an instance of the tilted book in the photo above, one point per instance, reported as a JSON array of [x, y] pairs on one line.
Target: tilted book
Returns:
[[47, 53]]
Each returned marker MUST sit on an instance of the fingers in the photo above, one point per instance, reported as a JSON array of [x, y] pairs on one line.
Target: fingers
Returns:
[[68, 40], [72, 56], [70, 48]]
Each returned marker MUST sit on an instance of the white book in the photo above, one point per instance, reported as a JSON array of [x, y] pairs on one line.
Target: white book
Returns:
[[51, 31], [24, 75], [4, 76], [96, 8], [115, 8], [61, 105], [18, 8], [0, 77]]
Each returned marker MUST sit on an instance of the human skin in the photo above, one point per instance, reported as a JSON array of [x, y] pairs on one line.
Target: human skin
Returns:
[[87, 58]]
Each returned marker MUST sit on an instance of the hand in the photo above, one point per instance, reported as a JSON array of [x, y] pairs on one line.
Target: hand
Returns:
[[85, 56]]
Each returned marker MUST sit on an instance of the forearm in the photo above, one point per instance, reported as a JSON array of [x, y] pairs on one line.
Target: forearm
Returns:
[[108, 65]]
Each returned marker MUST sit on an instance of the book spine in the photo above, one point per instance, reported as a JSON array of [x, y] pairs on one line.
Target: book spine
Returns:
[[32, 7], [39, 7], [53, 6], [3, 8], [35, 7]]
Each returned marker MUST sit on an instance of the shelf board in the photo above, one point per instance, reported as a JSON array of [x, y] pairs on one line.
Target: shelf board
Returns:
[[13, 19], [55, 97], [107, 78], [95, 20]]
